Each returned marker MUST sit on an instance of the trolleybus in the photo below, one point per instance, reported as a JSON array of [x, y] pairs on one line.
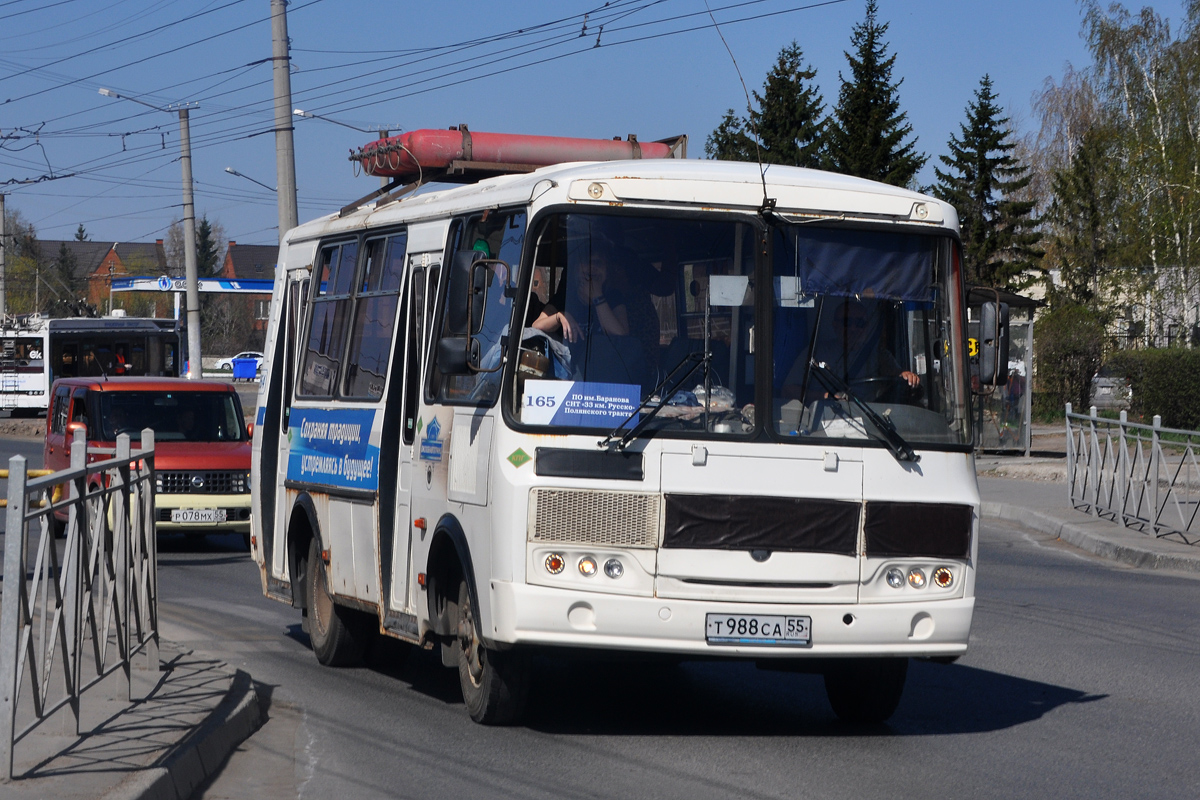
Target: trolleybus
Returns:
[[659, 406], [36, 350]]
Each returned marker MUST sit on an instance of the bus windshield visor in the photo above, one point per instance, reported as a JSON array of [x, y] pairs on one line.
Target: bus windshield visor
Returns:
[[173, 416], [871, 316], [618, 303]]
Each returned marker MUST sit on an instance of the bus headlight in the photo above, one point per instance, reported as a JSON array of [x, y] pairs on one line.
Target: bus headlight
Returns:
[[916, 578], [614, 568], [587, 566], [895, 578]]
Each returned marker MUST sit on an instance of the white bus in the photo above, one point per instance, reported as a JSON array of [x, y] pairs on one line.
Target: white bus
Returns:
[[35, 350], [664, 407]]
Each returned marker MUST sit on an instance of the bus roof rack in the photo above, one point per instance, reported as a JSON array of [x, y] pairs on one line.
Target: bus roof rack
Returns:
[[458, 155]]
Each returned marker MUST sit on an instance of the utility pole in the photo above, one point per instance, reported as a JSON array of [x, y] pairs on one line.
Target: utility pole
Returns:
[[195, 362], [285, 150], [3, 250]]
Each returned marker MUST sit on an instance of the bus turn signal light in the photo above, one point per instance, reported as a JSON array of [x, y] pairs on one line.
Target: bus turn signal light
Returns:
[[943, 577], [555, 563]]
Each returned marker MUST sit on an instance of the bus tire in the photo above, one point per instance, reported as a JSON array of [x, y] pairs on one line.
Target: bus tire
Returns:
[[866, 691], [335, 631], [495, 684]]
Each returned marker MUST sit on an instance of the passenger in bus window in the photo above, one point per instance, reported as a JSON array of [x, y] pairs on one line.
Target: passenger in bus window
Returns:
[[545, 311]]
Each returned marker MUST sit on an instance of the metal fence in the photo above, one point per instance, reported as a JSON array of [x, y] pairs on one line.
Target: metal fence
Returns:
[[1140, 476], [81, 608]]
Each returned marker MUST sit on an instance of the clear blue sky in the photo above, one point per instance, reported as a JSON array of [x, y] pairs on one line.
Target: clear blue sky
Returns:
[[409, 64]]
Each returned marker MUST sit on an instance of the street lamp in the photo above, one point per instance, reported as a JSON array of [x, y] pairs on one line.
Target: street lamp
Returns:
[[195, 365], [233, 171], [383, 132]]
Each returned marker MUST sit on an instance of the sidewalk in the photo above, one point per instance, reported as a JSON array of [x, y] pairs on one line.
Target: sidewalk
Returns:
[[183, 723], [1033, 493]]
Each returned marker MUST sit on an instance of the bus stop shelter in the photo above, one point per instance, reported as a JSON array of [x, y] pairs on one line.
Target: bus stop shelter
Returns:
[[1002, 413]]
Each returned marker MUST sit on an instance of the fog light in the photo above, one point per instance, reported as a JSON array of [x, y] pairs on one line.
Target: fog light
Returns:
[[555, 563], [613, 568], [895, 578], [943, 577], [587, 566], [916, 578]]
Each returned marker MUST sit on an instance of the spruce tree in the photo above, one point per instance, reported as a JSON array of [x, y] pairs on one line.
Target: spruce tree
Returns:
[[730, 142], [865, 135], [1083, 217], [982, 182], [81, 234], [788, 121], [207, 248]]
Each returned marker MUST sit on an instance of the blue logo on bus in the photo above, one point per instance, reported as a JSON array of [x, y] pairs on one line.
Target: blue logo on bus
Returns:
[[431, 445]]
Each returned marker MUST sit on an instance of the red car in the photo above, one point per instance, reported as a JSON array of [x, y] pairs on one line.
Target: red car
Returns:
[[202, 444]]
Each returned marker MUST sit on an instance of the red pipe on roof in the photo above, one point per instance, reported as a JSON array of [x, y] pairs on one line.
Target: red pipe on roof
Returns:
[[399, 156]]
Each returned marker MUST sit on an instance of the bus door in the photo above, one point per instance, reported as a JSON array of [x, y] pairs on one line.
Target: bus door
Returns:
[[401, 423], [273, 422]]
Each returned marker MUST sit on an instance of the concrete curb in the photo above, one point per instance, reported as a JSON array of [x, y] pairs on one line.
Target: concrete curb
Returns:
[[1090, 536], [198, 757]]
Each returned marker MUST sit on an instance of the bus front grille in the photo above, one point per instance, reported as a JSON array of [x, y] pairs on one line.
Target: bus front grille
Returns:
[[605, 518]]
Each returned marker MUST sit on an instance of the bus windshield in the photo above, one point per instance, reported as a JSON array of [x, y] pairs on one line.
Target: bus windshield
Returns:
[[173, 416], [633, 316], [866, 316], [617, 303]]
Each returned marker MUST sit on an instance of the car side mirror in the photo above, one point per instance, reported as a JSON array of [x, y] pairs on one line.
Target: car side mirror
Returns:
[[993, 344], [249, 430], [76, 426]]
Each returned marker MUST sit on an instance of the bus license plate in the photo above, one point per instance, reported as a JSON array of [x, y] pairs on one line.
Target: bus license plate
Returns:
[[758, 629], [209, 515]]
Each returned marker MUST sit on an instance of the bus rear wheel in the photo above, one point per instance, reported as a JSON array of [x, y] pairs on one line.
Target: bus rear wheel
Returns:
[[336, 633], [495, 683], [866, 691]]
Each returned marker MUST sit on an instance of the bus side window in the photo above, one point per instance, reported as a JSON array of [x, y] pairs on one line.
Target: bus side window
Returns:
[[491, 236], [376, 300], [326, 333]]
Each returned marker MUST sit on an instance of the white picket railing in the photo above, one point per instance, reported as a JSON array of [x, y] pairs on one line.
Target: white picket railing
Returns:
[[81, 616], [1128, 472]]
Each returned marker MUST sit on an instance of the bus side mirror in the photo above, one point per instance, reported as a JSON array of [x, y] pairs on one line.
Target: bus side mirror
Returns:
[[456, 355], [471, 273], [993, 344]]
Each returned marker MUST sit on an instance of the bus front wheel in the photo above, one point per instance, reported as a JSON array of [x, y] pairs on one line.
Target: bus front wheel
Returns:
[[337, 638], [494, 683], [866, 691]]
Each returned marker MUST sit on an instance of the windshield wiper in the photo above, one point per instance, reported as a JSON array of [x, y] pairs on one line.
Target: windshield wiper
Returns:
[[663, 397], [886, 429]]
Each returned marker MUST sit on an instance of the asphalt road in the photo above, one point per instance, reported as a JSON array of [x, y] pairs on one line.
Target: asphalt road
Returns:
[[1081, 681]]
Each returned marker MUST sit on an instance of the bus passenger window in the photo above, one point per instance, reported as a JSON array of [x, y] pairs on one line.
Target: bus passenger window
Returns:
[[326, 337], [375, 318]]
